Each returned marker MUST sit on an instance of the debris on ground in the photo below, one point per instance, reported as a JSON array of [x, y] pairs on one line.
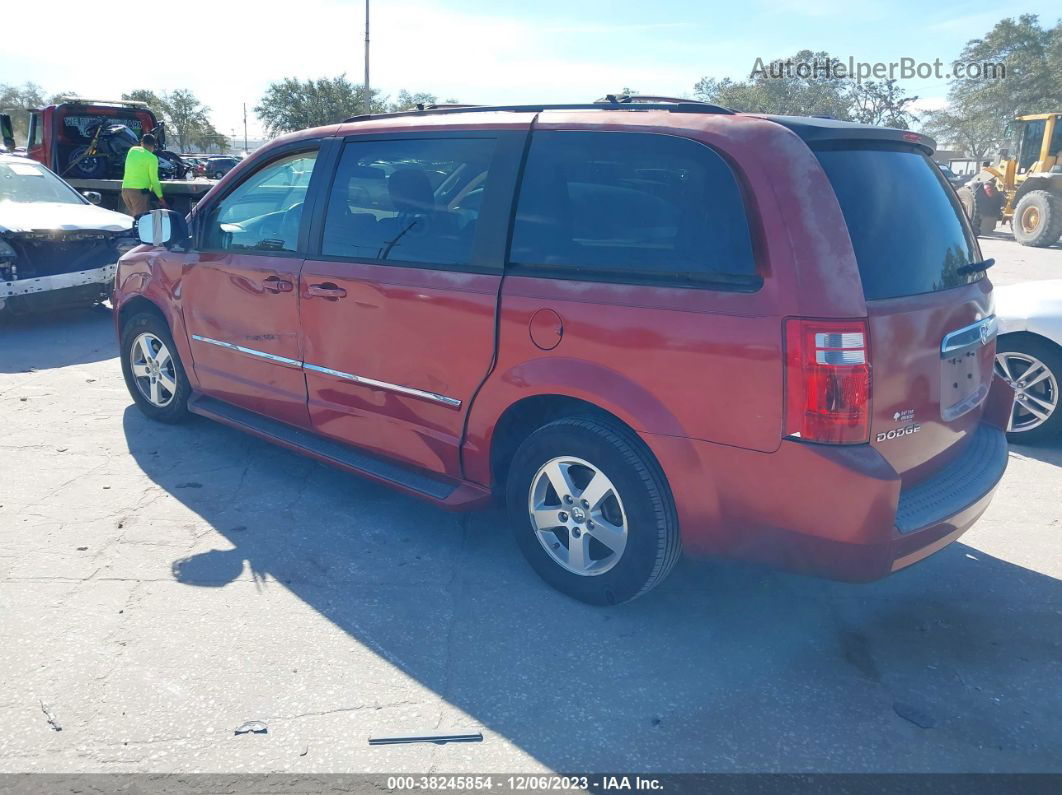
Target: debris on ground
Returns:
[[191, 484], [51, 717], [252, 727], [438, 739], [913, 714]]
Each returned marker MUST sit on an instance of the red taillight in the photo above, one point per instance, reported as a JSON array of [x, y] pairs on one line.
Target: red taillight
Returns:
[[827, 378]]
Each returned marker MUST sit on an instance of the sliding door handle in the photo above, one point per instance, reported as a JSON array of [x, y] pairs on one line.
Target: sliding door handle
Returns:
[[326, 290]]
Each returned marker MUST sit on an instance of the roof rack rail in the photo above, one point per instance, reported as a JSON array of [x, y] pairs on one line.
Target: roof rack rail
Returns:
[[630, 99], [673, 106]]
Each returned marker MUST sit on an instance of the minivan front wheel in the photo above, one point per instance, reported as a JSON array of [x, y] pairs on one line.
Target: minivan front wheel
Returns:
[[591, 511], [152, 368]]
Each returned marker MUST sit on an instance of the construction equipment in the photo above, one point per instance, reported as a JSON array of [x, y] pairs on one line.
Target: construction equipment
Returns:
[[1024, 188]]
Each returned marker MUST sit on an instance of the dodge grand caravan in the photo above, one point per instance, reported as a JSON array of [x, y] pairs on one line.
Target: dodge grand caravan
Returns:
[[648, 327]]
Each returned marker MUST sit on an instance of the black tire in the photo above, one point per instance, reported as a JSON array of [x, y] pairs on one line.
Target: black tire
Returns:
[[177, 408], [1038, 219], [1050, 355], [652, 546], [982, 211], [94, 167], [219, 174]]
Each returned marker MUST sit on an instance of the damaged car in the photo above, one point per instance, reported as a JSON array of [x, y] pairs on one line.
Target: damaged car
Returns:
[[57, 249]]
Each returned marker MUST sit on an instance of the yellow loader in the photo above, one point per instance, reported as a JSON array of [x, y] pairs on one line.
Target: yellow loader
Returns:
[[1025, 186]]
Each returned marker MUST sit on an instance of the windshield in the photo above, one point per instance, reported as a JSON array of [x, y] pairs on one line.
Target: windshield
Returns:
[[906, 226], [31, 182]]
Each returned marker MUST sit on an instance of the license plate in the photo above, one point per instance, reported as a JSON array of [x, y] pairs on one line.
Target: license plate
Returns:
[[963, 380]]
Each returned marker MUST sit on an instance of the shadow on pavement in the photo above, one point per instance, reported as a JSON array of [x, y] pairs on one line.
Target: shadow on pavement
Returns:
[[58, 338], [952, 665], [1004, 233], [1048, 452]]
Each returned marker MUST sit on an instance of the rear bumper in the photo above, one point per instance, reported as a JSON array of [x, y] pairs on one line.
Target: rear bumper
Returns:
[[838, 512]]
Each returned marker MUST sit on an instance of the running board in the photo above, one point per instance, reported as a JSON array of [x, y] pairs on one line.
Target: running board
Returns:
[[452, 494]]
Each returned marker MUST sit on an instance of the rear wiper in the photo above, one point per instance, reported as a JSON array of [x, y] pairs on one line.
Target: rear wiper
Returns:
[[975, 267]]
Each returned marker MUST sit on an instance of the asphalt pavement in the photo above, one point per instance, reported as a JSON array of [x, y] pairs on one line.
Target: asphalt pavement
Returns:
[[160, 586]]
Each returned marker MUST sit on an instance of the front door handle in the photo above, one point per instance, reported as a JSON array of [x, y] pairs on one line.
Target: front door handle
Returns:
[[326, 290], [275, 284]]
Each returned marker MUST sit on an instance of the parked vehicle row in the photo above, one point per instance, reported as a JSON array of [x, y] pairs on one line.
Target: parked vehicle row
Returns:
[[619, 318], [211, 166]]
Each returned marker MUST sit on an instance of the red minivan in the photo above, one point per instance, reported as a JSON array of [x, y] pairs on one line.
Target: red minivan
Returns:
[[647, 326]]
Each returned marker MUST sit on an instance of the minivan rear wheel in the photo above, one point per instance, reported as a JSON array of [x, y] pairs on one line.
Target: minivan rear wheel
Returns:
[[591, 511]]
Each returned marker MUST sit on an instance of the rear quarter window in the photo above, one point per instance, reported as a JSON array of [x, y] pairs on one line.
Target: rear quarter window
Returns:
[[632, 208], [905, 222]]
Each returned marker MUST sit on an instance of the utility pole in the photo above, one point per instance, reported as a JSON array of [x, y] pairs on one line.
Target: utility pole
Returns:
[[368, 92], [245, 128]]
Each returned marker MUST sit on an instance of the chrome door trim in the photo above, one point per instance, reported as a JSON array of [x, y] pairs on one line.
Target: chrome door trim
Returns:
[[980, 333], [249, 351], [373, 383], [357, 379]]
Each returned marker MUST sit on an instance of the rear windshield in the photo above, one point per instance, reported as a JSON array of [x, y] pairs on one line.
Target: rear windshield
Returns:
[[906, 224]]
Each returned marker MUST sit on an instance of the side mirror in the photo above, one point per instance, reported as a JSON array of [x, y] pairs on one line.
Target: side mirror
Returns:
[[162, 228], [93, 196]]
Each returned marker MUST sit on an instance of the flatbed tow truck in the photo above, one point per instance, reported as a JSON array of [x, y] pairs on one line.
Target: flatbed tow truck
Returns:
[[61, 137]]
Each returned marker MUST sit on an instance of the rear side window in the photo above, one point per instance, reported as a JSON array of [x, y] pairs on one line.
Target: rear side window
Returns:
[[413, 200], [631, 207], [906, 225]]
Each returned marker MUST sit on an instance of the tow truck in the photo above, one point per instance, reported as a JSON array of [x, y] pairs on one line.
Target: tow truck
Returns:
[[64, 137]]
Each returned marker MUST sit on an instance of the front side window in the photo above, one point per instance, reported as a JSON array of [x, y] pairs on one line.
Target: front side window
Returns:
[[264, 212], [631, 207], [411, 200]]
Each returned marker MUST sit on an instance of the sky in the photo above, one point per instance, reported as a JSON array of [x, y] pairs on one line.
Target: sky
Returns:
[[474, 50]]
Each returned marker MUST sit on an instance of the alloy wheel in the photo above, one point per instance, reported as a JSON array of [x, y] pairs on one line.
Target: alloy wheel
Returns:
[[1035, 386], [578, 516], [154, 370]]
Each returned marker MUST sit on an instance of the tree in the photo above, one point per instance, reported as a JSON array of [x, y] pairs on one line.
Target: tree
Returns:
[[187, 119], [881, 103], [979, 108], [292, 104], [15, 101], [809, 84], [780, 88], [407, 101], [1032, 57], [150, 98], [976, 135]]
